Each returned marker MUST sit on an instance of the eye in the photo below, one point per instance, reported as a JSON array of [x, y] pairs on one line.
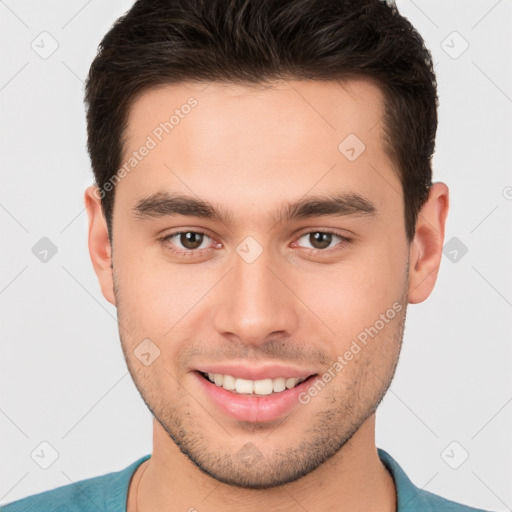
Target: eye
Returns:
[[187, 242], [321, 240]]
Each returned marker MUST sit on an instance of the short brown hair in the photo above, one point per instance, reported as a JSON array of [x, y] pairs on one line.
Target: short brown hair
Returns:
[[160, 42]]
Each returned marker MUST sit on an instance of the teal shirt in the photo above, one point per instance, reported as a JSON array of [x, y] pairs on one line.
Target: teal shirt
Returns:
[[108, 493]]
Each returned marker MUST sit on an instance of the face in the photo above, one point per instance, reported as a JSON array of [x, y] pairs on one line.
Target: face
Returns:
[[251, 288]]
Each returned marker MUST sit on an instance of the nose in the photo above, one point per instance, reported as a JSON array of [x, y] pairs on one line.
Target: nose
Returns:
[[255, 302]]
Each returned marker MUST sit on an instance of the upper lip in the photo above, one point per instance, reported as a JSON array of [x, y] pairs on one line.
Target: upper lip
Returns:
[[243, 371]]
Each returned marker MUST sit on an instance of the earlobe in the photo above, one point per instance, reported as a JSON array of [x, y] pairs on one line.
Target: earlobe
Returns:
[[100, 249], [426, 249]]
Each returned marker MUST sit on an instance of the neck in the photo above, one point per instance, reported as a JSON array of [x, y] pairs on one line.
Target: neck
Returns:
[[353, 479]]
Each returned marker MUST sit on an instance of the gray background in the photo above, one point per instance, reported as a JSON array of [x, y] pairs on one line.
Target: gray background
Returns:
[[63, 376]]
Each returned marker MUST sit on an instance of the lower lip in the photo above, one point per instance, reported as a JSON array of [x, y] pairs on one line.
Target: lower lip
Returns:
[[255, 409]]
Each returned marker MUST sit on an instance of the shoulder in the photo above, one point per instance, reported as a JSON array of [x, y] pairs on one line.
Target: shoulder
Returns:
[[413, 499], [427, 501], [101, 493]]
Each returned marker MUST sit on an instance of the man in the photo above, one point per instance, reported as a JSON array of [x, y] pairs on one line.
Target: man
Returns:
[[263, 213]]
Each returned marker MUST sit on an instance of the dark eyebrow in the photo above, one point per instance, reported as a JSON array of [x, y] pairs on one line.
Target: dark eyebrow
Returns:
[[164, 204], [335, 205]]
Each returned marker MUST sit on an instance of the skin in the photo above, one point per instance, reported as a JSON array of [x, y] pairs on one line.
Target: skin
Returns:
[[249, 150]]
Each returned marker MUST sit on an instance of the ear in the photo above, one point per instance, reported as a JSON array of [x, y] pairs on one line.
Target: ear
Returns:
[[426, 248], [100, 250]]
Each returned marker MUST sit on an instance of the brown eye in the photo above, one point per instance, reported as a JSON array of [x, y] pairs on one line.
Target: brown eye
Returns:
[[187, 243], [320, 240], [191, 240], [323, 241]]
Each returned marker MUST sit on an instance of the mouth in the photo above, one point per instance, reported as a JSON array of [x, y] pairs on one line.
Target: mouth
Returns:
[[262, 387], [254, 401]]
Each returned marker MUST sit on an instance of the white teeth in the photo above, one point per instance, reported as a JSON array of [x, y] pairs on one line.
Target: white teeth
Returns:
[[229, 382], [257, 387], [279, 384], [244, 386], [291, 383], [263, 387]]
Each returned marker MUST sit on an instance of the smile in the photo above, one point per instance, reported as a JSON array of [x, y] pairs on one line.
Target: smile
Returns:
[[253, 400], [253, 387]]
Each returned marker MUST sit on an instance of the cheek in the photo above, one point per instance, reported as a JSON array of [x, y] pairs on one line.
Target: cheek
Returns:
[[159, 299], [352, 295]]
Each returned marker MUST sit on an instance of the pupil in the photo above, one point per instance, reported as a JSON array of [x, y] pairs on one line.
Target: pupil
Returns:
[[191, 240], [321, 240]]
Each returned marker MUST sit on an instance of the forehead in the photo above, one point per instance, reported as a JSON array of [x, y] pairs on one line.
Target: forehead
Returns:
[[258, 143], [291, 109]]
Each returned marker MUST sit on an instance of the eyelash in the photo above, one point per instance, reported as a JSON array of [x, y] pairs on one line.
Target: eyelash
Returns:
[[196, 252]]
